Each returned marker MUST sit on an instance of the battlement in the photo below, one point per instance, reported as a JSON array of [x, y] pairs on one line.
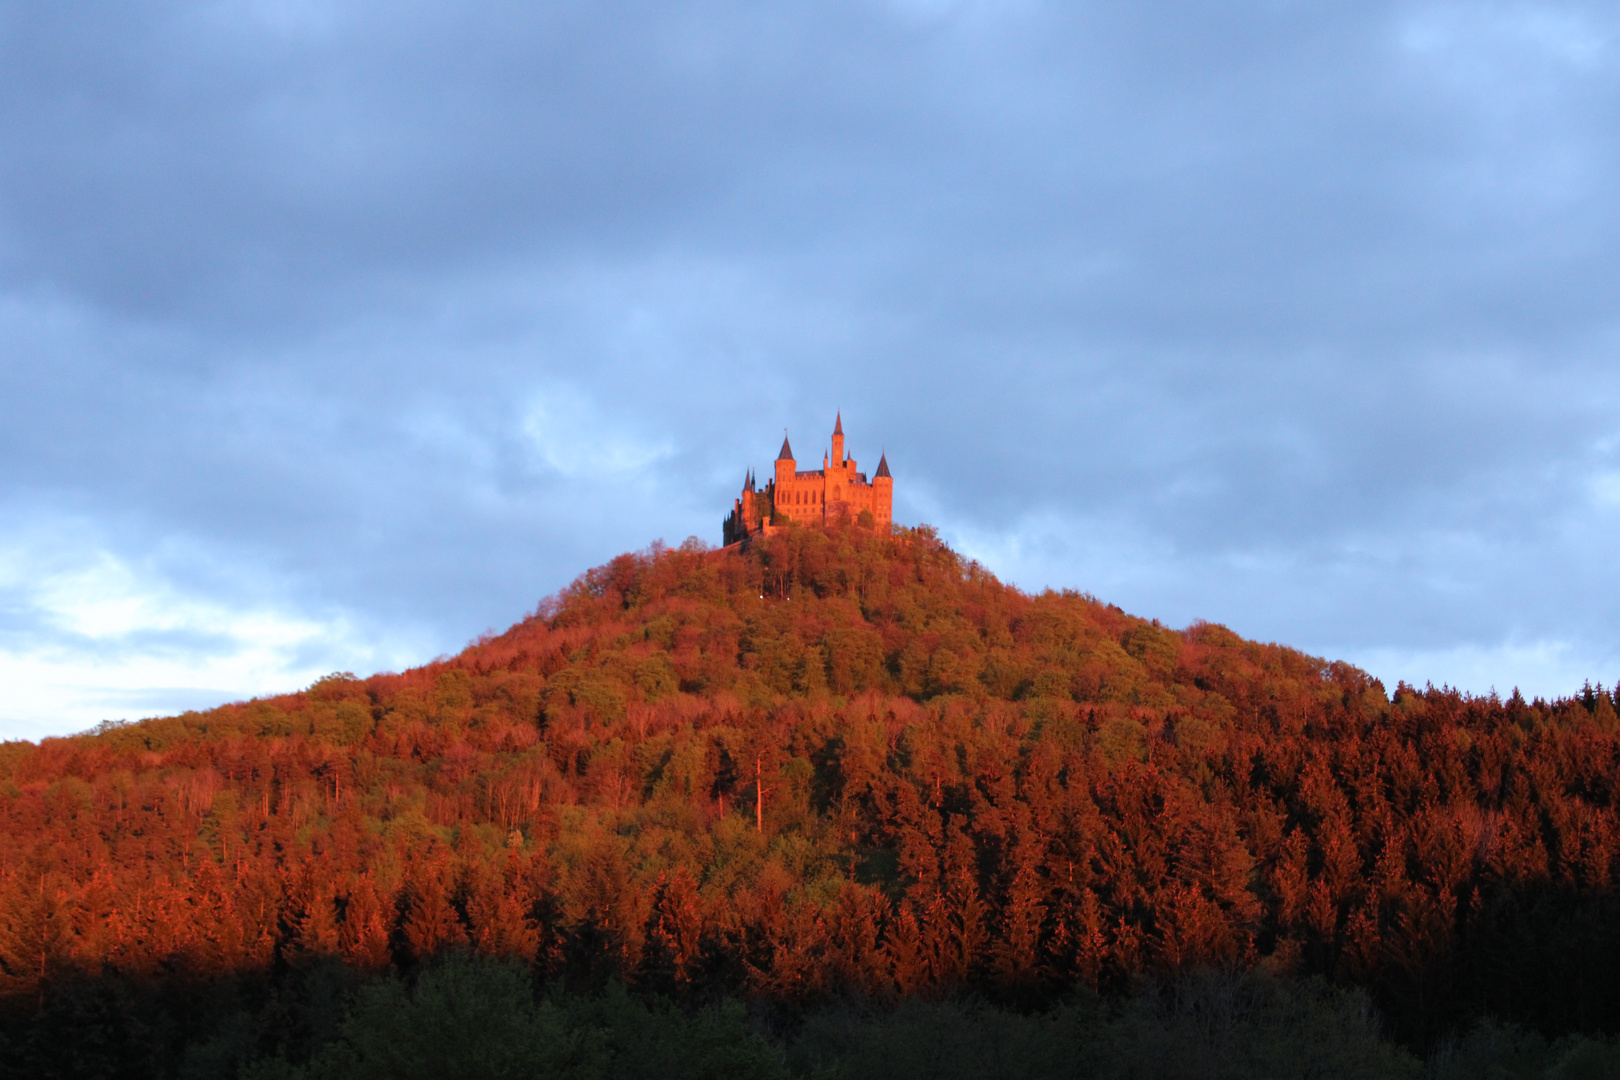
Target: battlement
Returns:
[[836, 491]]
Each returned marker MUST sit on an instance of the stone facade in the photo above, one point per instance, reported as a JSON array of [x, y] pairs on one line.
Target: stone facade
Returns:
[[836, 490]]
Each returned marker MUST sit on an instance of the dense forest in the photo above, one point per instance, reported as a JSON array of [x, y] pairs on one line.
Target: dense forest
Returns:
[[835, 783]]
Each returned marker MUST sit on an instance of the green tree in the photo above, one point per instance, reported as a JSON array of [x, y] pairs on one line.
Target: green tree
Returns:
[[463, 1017]]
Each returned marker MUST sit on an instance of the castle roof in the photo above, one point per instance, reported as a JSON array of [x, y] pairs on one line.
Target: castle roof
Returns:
[[838, 425], [787, 451], [883, 467]]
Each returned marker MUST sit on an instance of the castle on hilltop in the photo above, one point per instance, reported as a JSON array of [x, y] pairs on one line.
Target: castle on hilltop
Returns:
[[836, 490]]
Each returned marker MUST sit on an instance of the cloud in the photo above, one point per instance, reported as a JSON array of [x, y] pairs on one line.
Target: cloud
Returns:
[[571, 437], [88, 634], [1546, 668], [1296, 318]]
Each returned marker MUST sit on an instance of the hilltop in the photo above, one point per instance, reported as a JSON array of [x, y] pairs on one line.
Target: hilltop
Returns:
[[840, 761]]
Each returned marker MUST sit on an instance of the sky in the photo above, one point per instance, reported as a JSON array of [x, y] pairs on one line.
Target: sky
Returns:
[[335, 334]]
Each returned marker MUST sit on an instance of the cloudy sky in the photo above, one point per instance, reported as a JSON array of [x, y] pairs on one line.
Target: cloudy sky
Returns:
[[335, 334]]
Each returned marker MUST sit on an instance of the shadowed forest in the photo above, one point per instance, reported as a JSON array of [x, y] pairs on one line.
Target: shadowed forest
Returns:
[[839, 804]]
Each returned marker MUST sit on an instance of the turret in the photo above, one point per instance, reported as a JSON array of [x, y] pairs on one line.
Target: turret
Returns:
[[883, 492], [785, 465], [838, 442]]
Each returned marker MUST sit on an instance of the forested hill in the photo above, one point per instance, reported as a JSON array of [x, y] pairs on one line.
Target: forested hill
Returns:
[[840, 762]]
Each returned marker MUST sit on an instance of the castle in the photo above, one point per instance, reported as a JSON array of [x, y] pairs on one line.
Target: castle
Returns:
[[831, 492]]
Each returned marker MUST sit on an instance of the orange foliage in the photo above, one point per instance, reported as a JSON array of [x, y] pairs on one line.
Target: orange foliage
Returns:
[[962, 784]]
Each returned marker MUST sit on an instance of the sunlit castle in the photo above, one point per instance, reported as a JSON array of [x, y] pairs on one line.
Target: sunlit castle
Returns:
[[836, 491]]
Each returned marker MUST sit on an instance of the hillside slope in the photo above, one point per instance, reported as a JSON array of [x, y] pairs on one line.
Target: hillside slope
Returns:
[[841, 761]]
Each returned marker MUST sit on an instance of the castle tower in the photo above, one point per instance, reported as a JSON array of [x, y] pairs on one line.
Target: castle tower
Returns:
[[838, 442], [784, 463], [883, 491]]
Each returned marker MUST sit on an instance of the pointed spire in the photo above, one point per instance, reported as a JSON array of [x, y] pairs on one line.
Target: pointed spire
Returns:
[[883, 467], [838, 425], [787, 451]]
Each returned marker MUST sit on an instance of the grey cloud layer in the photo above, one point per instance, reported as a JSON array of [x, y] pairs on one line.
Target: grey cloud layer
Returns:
[[1289, 315]]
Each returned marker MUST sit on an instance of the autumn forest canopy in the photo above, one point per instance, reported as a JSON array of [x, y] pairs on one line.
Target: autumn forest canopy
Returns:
[[836, 773]]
